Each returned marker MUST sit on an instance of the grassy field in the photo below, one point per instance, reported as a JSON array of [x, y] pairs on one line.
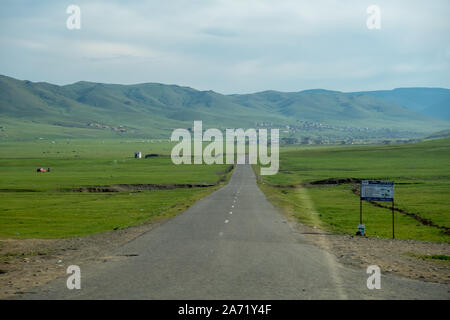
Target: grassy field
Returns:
[[42, 205], [421, 172], [91, 162]]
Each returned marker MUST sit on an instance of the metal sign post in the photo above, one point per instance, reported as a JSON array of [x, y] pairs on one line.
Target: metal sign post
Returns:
[[360, 211], [393, 230], [375, 190]]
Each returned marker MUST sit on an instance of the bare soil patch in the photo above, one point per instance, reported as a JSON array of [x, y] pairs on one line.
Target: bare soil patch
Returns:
[[139, 187], [27, 263], [398, 257]]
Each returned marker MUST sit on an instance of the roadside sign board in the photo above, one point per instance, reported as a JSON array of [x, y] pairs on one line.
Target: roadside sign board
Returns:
[[374, 190], [362, 229]]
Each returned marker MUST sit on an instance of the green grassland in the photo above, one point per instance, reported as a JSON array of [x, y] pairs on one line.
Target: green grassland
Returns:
[[94, 162], [58, 215], [42, 205], [421, 172]]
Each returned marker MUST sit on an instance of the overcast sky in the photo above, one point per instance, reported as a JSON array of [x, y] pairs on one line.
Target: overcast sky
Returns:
[[230, 46]]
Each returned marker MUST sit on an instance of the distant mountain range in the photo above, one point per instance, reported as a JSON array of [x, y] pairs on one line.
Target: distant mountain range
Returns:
[[87, 109], [433, 102]]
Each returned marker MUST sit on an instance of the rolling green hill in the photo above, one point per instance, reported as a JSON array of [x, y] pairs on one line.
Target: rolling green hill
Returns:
[[86, 109], [336, 108]]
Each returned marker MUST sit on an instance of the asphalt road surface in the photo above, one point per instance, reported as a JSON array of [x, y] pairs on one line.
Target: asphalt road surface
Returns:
[[232, 244]]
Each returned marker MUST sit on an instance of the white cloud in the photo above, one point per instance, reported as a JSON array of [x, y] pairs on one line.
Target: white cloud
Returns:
[[231, 45], [108, 50]]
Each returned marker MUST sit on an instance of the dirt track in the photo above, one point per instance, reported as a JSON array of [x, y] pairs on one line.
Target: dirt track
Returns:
[[392, 256]]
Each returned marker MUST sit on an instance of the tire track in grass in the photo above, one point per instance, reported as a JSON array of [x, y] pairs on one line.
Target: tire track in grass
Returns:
[[310, 208]]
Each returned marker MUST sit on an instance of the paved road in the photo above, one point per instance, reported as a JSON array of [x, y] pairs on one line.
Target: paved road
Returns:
[[230, 245]]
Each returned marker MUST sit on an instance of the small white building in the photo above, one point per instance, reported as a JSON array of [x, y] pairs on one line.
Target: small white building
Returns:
[[138, 155]]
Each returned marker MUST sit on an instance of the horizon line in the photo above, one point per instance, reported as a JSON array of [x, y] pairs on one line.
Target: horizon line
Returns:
[[226, 94]]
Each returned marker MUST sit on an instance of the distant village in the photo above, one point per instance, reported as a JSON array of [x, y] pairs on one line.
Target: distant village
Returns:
[[104, 126], [306, 133], [317, 133], [310, 133]]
